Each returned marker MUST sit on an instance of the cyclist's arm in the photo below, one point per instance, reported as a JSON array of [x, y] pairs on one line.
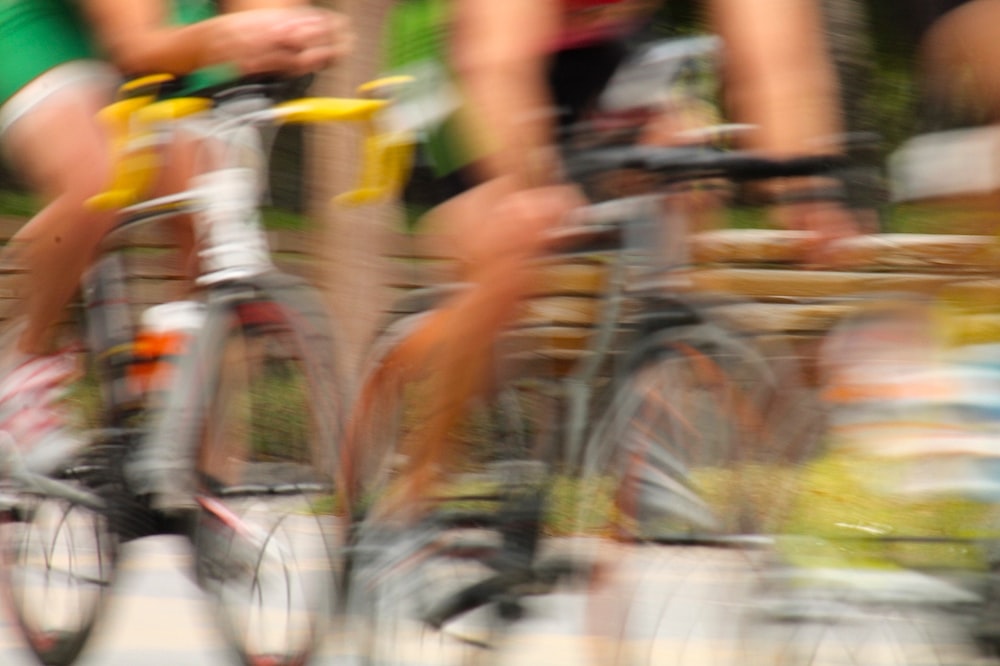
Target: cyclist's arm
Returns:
[[500, 53], [778, 74], [139, 38], [779, 78]]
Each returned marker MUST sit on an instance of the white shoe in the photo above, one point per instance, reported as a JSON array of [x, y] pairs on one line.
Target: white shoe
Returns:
[[31, 415]]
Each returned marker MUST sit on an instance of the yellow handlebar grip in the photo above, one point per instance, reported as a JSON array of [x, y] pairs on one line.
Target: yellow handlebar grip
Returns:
[[135, 172], [384, 84], [136, 159], [117, 116], [327, 109], [386, 161]]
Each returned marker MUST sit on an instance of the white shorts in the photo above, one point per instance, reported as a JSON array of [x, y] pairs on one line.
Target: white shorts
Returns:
[[76, 73]]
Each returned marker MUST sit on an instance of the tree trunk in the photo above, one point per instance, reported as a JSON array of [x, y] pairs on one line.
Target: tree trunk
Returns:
[[353, 238]]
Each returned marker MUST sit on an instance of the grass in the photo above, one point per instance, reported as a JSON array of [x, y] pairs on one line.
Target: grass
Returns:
[[18, 204], [847, 512]]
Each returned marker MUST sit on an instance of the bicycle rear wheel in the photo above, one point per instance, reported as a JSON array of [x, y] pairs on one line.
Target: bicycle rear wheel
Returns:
[[265, 534], [59, 558]]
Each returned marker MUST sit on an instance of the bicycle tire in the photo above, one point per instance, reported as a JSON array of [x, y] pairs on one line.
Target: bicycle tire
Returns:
[[694, 457], [59, 562], [265, 421], [403, 575], [398, 577], [52, 543], [699, 421]]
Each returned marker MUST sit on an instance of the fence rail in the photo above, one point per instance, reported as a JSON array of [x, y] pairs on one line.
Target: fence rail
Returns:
[[154, 270], [772, 294], [765, 290]]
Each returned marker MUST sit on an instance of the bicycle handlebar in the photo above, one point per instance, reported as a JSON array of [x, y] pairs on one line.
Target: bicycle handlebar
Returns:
[[693, 163], [134, 120]]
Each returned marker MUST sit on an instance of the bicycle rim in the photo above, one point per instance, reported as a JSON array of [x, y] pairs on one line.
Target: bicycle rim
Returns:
[[265, 535], [401, 572], [59, 561], [398, 578], [703, 440]]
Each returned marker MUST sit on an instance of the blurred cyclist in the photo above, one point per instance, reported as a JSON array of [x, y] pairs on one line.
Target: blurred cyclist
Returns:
[[60, 62], [513, 66]]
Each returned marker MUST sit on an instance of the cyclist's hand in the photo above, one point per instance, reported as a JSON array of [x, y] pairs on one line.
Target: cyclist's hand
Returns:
[[291, 41], [318, 37], [828, 222], [535, 216]]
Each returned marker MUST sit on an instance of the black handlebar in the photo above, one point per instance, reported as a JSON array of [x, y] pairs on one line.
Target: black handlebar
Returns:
[[274, 86], [693, 163]]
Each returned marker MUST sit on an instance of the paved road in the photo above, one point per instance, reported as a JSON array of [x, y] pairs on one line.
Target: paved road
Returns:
[[686, 606], [158, 616]]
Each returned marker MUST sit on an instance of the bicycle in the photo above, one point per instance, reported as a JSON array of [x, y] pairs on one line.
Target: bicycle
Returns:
[[451, 586], [243, 407]]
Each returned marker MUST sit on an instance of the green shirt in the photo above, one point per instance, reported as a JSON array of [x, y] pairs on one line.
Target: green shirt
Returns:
[[39, 35], [416, 42]]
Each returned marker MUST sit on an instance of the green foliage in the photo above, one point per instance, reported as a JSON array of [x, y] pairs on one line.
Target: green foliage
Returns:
[[847, 514], [16, 203], [284, 219]]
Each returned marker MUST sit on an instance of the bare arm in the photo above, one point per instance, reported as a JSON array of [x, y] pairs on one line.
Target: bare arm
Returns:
[[778, 73], [138, 37], [500, 52]]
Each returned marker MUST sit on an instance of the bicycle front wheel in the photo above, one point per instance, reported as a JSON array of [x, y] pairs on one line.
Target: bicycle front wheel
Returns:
[[264, 538], [58, 563], [702, 441], [685, 477]]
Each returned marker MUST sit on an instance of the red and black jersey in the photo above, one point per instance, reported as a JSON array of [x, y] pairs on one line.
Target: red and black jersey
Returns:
[[591, 21]]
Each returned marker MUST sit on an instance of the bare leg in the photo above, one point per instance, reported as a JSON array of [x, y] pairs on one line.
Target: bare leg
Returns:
[[63, 152], [499, 248]]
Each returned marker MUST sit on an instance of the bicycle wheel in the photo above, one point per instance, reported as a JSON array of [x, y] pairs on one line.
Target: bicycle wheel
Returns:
[[859, 616], [58, 562], [439, 590], [695, 457], [266, 431], [398, 578], [702, 440]]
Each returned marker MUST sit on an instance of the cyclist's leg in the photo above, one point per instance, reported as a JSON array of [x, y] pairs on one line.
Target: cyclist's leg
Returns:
[[54, 141], [180, 164], [49, 146], [456, 342], [959, 58]]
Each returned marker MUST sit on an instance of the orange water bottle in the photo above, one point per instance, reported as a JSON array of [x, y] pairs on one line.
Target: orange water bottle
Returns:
[[164, 334]]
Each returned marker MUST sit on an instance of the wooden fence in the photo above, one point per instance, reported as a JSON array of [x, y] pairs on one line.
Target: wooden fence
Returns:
[[154, 270], [773, 294], [764, 289]]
